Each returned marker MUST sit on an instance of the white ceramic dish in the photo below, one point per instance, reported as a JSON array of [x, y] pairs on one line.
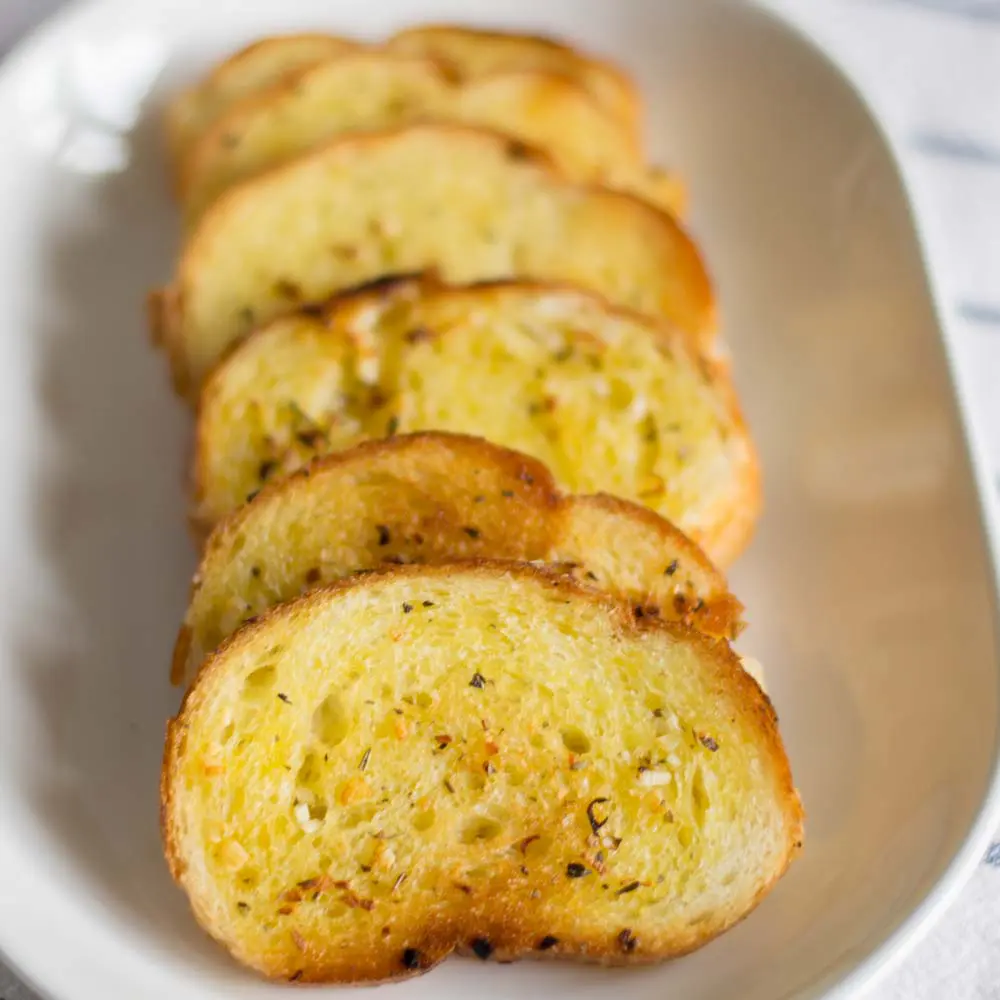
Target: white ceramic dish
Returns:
[[869, 585]]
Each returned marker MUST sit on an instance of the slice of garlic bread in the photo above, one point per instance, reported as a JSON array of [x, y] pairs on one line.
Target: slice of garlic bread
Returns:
[[254, 68], [466, 202], [483, 758], [377, 90], [434, 498], [475, 53], [468, 53], [609, 401]]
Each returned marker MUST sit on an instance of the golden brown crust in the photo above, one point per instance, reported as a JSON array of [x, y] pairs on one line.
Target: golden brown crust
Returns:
[[695, 305], [509, 934]]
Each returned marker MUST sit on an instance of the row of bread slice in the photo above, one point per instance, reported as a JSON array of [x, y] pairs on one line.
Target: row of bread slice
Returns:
[[588, 354]]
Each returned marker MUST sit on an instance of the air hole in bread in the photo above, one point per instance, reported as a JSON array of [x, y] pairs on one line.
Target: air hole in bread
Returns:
[[535, 846], [331, 722], [258, 684], [481, 828], [620, 394], [308, 771], [516, 776], [424, 820], [699, 797], [359, 814], [575, 740]]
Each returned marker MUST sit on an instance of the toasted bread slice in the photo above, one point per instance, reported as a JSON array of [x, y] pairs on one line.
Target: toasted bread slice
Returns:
[[467, 52], [608, 400], [351, 211], [433, 498], [477, 758], [476, 53], [377, 90], [253, 68]]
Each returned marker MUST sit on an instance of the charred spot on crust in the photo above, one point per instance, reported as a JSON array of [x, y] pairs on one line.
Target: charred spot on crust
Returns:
[[626, 940], [314, 575], [418, 335], [481, 948], [411, 958], [518, 151], [287, 289], [575, 870], [384, 536], [547, 942]]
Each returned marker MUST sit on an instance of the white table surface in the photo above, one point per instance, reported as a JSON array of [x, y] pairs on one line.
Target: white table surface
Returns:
[[931, 70]]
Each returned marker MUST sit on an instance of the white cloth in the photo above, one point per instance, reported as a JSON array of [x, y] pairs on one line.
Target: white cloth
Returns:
[[931, 70]]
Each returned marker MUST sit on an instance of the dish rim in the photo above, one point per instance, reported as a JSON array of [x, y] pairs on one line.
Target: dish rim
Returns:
[[849, 977]]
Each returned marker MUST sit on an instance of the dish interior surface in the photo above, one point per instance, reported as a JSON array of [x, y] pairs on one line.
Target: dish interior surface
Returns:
[[868, 587]]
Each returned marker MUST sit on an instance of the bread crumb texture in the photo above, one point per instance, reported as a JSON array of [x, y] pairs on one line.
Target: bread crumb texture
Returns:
[[609, 401], [349, 212], [486, 759]]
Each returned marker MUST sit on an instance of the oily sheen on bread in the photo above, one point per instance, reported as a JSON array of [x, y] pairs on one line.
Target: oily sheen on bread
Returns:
[[486, 759], [609, 401], [433, 498], [468, 53], [350, 212], [372, 89]]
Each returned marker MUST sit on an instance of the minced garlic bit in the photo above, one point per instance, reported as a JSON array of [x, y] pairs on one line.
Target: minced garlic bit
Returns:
[[355, 789], [304, 819], [232, 854], [653, 778]]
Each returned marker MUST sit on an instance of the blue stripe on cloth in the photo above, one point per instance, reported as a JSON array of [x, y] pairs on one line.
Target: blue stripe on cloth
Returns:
[[983, 11], [956, 147], [992, 856], [979, 312]]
